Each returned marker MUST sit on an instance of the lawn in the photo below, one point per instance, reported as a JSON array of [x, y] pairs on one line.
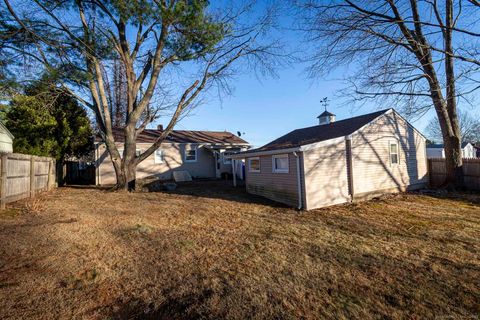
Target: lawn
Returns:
[[211, 251]]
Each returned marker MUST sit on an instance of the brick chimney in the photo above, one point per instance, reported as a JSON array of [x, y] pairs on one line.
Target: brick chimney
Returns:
[[160, 127]]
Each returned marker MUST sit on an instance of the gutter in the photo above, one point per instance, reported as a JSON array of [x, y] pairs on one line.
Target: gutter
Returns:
[[305, 147], [299, 181], [247, 154]]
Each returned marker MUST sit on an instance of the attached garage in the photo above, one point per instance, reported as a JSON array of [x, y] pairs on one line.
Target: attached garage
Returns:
[[338, 161]]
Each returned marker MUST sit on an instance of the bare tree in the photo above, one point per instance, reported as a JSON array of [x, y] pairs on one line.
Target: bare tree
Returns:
[[151, 38], [469, 127], [116, 89], [404, 54]]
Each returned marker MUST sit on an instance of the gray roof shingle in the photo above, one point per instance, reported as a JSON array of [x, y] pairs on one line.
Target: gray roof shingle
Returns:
[[183, 136], [299, 137]]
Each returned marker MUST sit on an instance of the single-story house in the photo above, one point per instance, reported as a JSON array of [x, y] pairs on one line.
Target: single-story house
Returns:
[[437, 150], [6, 139], [202, 153], [338, 161]]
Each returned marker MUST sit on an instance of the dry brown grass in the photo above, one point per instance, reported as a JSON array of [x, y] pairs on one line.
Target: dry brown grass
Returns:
[[210, 251]]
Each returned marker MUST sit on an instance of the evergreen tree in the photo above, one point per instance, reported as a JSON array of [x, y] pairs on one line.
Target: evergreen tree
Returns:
[[47, 121]]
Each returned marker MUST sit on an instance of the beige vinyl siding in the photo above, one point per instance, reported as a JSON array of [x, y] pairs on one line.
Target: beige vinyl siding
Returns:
[[372, 170], [280, 187], [326, 175], [173, 155]]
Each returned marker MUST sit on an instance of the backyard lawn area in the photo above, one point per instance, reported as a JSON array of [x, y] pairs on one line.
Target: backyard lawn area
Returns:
[[212, 251]]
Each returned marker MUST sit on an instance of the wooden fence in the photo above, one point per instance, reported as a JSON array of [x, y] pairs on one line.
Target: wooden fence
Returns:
[[23, 175], [471, 172]]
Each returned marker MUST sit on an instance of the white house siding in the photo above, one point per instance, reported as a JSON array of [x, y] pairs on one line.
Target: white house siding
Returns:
[[435, 153], [326, 181], [469, 151], [372, 170], [173, 155], [6, 142], [280, 187]]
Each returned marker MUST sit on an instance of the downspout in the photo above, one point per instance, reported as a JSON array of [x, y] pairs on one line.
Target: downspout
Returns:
[[348, 150], [299, 181]]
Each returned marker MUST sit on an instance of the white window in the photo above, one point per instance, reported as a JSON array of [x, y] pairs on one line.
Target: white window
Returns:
[[280, 163], [190, 154], [137, 152], [226, 159], [254, 165], [158, 156], [393, 148]]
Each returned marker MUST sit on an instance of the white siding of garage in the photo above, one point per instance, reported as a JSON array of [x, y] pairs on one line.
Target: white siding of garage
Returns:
[[280, 187], [372, 170], [326, 180]]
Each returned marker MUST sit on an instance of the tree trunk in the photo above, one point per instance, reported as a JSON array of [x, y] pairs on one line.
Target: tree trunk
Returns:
[[453, 162], [126, 176], [131, 171], [129, 161], [452, 141]]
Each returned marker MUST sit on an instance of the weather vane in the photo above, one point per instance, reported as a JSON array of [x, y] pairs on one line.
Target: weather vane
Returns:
[[324, 102]]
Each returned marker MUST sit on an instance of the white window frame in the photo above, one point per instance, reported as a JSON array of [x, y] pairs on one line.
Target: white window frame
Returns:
[[390, 143], [279, 156], [137, 152], [225, 159], [155, 156], [190, 148], [250, 164]]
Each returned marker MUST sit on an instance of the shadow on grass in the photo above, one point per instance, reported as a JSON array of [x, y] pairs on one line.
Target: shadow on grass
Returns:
[[173, 308], [220, 189], [469, 197]]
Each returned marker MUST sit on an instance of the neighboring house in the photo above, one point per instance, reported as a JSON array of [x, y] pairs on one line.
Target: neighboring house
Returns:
[[337, 162], [201, 153], [436, 150], [6, 139]]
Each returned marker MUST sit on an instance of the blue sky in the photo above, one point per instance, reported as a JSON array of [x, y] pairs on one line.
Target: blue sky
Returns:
[[270, 107]]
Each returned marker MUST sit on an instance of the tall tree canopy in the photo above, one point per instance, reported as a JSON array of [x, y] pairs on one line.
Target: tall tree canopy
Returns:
[[415, 54], [170, 50]]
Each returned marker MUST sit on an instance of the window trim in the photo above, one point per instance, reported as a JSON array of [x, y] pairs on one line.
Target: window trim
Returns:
[[390, 143], [250, 165], [137, 152], [279, 156], [225, 159], [189, 148], [162, 160]]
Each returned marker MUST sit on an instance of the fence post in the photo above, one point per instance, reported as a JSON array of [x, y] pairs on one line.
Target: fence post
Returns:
[[3, 180], [51, 177], [32, 176]]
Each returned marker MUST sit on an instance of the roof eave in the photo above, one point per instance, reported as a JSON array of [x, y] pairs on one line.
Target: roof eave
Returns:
[[302, 148]]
